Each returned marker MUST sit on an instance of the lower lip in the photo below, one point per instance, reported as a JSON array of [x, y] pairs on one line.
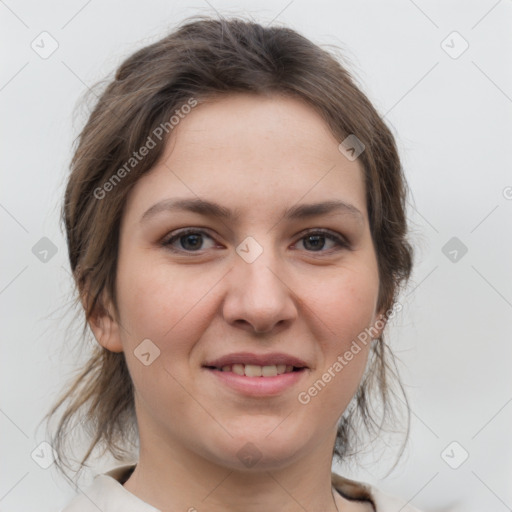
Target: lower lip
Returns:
[[258, 386]]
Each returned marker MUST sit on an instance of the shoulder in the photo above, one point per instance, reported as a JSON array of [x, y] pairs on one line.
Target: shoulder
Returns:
[[106, 493], [371, 496]]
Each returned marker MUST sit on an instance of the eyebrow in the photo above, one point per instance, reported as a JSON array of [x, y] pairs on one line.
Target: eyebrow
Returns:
[[212, 209]]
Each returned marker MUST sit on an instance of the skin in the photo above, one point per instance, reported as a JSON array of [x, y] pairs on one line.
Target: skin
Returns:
[[259, 155]]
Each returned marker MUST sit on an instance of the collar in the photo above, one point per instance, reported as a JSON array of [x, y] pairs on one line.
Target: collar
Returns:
[[349, 489]]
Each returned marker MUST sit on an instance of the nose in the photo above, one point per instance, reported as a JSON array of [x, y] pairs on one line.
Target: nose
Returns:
[[258, 298]]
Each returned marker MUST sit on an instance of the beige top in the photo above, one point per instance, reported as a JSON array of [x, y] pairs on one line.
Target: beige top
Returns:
[[107, 494]]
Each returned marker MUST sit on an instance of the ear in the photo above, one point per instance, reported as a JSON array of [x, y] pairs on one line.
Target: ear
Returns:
[[105, 327], [379, 323]]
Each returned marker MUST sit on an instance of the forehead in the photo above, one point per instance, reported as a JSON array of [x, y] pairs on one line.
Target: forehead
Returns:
[[252, 151], [245, 124]]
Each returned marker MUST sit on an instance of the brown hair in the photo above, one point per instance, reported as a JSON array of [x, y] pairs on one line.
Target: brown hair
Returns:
[[205, 58]]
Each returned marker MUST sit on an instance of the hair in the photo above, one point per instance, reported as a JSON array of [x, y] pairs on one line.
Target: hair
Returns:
[[207, 58]]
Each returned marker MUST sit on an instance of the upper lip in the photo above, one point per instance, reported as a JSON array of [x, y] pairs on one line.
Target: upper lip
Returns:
[[273, 358]]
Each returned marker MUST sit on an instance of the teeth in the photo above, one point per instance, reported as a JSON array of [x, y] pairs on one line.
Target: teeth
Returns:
[[269, 371], [253, 370], [239, 369]]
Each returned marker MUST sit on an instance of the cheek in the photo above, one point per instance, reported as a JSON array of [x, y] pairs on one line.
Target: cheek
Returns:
[[347, 309], [170, 309], [164, 305], [347, 304]]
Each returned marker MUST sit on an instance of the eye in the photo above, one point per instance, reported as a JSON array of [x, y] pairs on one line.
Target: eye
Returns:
[[316, 240], [189, 239]]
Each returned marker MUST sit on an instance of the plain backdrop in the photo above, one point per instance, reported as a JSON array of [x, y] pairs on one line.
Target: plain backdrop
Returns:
[[439, 71]]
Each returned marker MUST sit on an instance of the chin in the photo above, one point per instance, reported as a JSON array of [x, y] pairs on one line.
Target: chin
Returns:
[[258, 451]]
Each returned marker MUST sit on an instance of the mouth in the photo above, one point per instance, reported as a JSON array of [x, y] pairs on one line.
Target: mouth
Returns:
[[261, 375], [253, 370], [257, 365]]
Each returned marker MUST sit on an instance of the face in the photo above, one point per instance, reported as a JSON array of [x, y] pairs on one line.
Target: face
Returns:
[[211, 297]]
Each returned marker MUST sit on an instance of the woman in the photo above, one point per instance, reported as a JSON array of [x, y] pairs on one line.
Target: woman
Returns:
[[236, 230]]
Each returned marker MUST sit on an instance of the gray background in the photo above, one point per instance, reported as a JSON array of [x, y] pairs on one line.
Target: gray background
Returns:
[[452, 115]]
